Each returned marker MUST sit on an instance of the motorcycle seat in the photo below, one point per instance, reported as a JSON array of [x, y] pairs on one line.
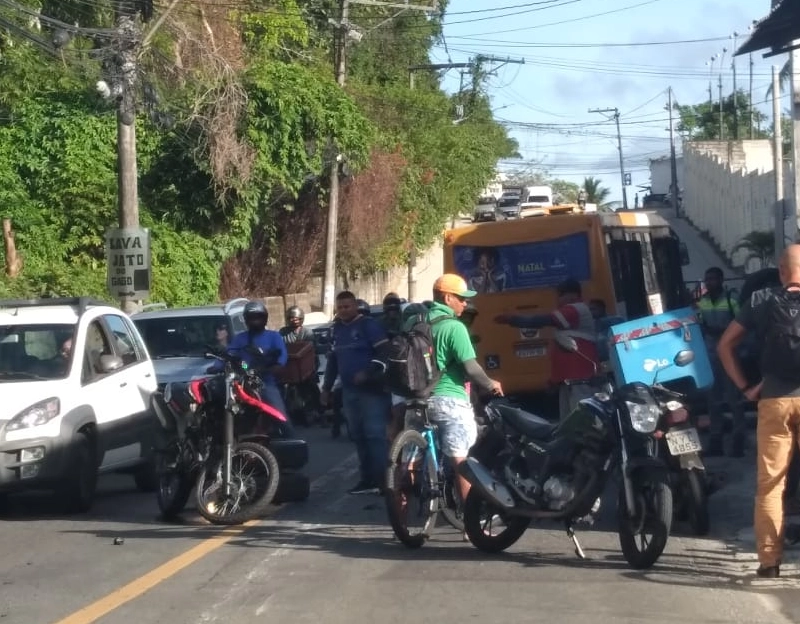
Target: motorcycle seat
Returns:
[[526, 423]]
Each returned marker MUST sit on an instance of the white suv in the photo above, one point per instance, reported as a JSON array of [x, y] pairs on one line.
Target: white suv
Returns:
[[76, 386]]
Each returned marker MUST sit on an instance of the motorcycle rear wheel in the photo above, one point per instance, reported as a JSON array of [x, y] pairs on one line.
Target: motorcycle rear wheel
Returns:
[[254, 476], [479, 518], [174, 482], [653, 515]]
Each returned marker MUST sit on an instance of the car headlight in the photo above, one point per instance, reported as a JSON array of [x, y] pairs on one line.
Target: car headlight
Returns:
[[36, 415], [644, 416]]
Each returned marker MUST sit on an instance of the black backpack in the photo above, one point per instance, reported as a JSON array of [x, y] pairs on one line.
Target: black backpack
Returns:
[[411, 368], [780, 354]]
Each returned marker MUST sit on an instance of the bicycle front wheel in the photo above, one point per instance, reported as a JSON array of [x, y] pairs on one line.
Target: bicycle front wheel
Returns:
[[412, 497]]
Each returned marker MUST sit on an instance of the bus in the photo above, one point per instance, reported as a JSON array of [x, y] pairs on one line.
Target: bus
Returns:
[[630, 260]]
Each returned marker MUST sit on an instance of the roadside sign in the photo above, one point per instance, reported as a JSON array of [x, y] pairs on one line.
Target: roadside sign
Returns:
[[128, 262]]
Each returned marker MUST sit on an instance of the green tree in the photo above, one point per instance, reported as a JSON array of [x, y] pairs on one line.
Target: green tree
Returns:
[[701, 122], [595, 192]]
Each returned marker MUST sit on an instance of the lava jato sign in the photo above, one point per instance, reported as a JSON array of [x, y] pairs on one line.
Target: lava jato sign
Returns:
[[128, 261]]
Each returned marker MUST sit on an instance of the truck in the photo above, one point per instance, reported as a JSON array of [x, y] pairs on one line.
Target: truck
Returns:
[[535, 200]]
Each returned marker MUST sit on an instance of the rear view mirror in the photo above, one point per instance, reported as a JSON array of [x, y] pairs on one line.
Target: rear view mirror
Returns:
[[683, 250], [110, 363], [567, 343], [684, 358]]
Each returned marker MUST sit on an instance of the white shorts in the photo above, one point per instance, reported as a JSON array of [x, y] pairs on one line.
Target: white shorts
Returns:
[[458, 430]]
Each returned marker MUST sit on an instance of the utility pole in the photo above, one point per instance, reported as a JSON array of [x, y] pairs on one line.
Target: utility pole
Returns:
[[795, 90], [673, 164], [750, 100], [340, 71], [735, 36], [127, 41], [721, 112], [412, 251], [619, 147], [777, 154]]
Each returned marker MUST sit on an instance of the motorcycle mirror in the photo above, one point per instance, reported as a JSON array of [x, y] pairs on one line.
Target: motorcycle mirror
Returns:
[[568, 343], [684, 358]]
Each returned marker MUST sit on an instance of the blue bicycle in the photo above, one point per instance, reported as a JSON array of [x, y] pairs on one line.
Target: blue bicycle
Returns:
[[417, 470]]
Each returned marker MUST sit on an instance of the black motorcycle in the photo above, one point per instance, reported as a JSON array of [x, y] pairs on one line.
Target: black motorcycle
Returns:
[[526, 469], [679, 445], [210, 446]]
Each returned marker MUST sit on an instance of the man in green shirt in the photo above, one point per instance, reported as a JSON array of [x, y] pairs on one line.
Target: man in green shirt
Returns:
[[449, 406]]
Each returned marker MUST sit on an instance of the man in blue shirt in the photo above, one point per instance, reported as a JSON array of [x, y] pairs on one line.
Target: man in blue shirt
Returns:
[[257, 335], [357, 345]]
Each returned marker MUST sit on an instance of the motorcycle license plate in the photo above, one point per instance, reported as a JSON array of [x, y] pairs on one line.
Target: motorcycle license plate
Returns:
[[683, 441]]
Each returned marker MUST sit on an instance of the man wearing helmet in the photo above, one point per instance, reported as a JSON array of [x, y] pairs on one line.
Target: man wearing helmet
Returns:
[[295, 331], [356, 356], [270, 342]]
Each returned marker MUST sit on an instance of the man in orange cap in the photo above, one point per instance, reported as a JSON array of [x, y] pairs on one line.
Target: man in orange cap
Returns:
[[449, 405]]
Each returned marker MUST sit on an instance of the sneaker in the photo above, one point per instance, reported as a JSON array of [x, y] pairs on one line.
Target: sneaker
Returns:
[[364, 487], [770, 572]]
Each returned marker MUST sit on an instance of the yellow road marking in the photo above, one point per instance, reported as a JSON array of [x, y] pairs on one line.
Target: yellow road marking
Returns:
[[139, 586]]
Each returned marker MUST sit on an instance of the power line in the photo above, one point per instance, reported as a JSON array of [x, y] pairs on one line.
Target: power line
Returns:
[[577, 19]]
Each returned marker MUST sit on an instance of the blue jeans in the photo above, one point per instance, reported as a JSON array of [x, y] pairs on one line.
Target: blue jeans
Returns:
[[367, 414], [270, 393]]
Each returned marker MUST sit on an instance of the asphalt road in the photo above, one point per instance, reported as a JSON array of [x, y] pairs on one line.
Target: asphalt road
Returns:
[[334, 557]]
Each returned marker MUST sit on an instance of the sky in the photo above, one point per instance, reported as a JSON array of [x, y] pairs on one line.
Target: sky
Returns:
[[577, 57]]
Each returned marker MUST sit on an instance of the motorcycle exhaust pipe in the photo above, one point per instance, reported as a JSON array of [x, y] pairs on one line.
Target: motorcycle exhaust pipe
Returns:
[[490, 488]]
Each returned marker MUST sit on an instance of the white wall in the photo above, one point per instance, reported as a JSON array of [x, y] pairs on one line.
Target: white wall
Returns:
[[730, 191]]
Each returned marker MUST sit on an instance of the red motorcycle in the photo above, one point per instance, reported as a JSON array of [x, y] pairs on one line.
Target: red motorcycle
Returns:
[[212, 446]]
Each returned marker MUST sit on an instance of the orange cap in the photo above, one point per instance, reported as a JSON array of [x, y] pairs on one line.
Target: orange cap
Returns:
[[454, 285]]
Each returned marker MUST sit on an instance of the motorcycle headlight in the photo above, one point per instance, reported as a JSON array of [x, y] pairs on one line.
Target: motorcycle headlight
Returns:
[[644, 416]]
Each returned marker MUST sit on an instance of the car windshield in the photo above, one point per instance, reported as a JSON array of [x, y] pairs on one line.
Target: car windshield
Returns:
[[190, 336], [35, 352], [508, 202]]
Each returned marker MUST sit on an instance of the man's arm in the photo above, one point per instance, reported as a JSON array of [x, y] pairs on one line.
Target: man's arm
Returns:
[[280, 346], [726, 347], [459, 344], [730, 339]]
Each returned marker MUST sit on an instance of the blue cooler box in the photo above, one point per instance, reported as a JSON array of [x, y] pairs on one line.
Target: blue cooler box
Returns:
[[640, 348]]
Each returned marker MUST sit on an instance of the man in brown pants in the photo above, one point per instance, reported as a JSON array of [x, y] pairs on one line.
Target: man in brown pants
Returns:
[[774, 315]]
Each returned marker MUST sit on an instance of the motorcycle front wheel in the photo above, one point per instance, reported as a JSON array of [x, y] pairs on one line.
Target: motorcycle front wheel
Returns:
[[254, 481], [174, 481], [643, 535], [696, 501]]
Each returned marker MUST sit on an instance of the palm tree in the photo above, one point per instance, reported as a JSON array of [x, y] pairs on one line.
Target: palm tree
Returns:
[[759, 246], [784, 77], [595, 194]]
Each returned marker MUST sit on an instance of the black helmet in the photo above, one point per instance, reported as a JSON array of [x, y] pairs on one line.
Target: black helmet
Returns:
[[363, 307], [255, 315], [295, 312]]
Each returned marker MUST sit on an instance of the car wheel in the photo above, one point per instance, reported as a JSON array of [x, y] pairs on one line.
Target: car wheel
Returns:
[[78, 488]]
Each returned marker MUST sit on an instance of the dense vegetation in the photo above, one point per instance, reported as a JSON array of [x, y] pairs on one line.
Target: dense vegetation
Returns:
[[238, 119]]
